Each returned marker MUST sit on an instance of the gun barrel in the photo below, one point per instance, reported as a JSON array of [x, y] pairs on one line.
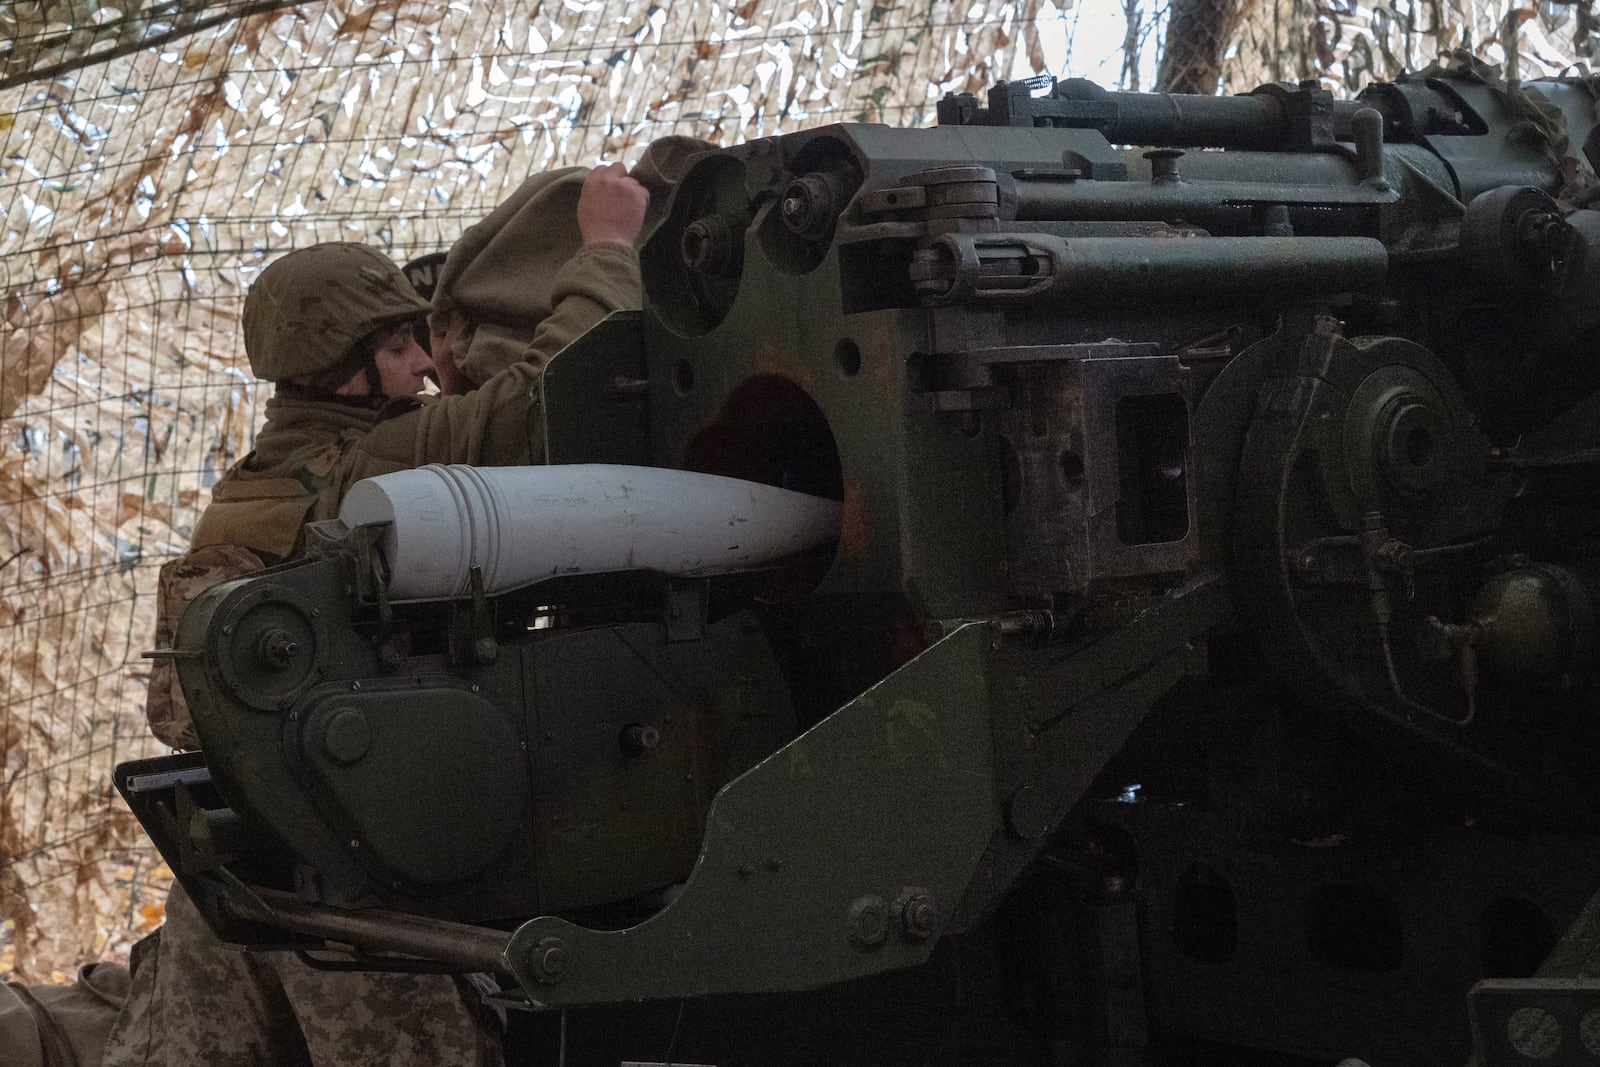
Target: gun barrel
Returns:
[[1034, 266], [1186, 119], [1256, 120]]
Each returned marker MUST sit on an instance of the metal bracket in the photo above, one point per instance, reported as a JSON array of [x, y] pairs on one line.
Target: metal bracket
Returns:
[[472, 641], [1309, 109], [161, 794], [1013, 104], [1554, 1022], [383, 640], [900, 848], [975, 368]]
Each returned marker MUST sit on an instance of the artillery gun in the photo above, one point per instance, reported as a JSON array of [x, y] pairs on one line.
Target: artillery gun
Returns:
[[1202, 655]]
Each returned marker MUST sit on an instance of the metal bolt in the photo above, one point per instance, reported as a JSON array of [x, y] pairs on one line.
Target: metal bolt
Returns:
[[919, 914], [707, 246], [808, 206], [277, 649], [348, 737], [1029, 815], [549, 960], [474, 687], [696, 245], [355, 687], [638, 738], [1164, 164], [869, 922], [355, 842], [1534, 1033]]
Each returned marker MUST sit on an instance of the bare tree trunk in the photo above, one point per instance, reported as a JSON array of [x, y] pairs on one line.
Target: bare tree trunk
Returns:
[[1198, 33], [1133, 15]]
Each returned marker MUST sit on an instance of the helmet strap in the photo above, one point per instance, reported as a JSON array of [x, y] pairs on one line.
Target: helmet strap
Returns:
[[374, 378]]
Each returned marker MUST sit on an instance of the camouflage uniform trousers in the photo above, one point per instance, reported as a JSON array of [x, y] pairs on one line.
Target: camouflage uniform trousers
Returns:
[[196, 1003]]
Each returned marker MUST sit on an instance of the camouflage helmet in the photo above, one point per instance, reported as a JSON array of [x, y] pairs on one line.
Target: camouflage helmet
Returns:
[[307, 310]]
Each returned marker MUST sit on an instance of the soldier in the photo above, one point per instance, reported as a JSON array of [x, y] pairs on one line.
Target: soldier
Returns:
[[332, 326]]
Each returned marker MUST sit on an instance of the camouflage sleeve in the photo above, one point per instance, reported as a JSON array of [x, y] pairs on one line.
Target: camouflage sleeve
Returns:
[[180, 581], [596, 281], [600, 279]]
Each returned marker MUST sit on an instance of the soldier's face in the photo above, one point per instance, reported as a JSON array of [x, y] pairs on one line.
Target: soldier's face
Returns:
[[402, 364]]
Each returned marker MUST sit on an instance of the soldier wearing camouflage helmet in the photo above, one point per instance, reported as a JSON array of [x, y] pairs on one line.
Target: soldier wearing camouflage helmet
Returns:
[[332, 325]]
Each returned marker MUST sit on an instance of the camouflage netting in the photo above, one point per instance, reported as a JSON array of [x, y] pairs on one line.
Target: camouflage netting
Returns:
[[1347, 44], [157, 154]]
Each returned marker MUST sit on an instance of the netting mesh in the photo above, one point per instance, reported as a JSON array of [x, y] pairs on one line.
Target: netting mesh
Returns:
[[153, 156], [1347, 43]]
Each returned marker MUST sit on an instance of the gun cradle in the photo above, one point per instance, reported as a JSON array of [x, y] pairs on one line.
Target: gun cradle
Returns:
[[1212, 599]]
